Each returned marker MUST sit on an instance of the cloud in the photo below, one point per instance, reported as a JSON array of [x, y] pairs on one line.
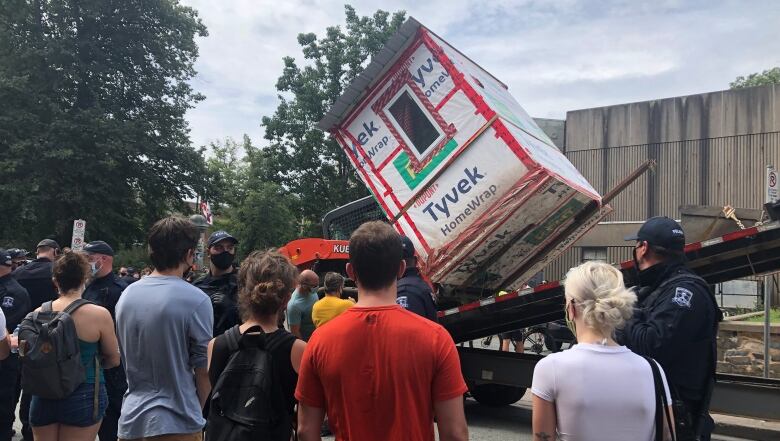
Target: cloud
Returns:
[[554, 56]]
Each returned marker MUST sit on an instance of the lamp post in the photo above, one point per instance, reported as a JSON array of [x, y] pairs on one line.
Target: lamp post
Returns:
[[202, 225]]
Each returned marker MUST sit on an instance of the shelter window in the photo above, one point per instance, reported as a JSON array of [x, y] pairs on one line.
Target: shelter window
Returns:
[[416, 126]]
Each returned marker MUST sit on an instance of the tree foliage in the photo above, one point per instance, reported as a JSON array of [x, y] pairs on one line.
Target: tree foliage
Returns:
[[247, 202], [304, 160], [769, 76], [92, 124]]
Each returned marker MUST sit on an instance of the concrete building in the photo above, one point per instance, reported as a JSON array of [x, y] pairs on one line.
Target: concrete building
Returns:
[[710, 149]]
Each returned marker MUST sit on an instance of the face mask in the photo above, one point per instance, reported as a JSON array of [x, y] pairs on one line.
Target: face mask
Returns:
[[222, 260], [93, 266], [569, 322]]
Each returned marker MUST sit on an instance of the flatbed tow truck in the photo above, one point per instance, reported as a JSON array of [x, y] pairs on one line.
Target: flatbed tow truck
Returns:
[[497, 378]]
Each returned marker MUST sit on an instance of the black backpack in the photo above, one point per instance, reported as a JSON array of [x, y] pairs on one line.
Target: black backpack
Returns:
[[49, 352], [247, 401]]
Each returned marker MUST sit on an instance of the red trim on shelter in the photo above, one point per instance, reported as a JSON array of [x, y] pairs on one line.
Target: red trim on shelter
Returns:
[[514, 145], [381, 83], [496, 210], [389, 192], [389, 158], [447, 97]]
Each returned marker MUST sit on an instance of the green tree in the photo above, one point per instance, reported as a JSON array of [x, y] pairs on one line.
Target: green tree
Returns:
[[247, 202], [92, 124], [769, 76], [228, 170], [305, 161]]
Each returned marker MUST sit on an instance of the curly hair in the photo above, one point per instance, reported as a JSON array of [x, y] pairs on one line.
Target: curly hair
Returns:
[[265, 281]]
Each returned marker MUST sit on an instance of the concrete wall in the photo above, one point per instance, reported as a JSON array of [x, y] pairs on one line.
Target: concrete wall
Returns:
[[708, 115], [710, 149]]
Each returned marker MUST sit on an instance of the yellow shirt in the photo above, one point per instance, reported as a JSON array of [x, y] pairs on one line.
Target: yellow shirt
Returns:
[[328, 308]]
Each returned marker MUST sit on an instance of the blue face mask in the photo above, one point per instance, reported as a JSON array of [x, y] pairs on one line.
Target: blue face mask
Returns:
[[94, 268]]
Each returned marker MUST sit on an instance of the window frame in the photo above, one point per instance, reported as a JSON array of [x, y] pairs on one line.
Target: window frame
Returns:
[[402, 133]]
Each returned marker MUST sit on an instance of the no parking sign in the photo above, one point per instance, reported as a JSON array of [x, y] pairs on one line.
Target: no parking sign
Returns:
[[77, 239], [771, 184]]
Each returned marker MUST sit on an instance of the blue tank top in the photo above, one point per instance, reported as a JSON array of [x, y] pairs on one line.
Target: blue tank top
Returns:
[[88, 352]]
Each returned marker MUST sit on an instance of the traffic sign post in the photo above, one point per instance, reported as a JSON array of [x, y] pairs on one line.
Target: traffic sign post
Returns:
[[77, 239]]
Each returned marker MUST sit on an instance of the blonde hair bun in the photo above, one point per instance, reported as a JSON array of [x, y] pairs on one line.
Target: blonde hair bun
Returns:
[[600, 296]]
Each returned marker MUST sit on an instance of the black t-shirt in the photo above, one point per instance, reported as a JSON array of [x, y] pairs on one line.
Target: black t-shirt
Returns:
[[281, 362]]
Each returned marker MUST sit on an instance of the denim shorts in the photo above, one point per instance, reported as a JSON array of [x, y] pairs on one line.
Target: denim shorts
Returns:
[[74, 410]]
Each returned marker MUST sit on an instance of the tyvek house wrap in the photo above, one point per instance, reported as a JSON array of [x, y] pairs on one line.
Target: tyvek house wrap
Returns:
[[460, 168]]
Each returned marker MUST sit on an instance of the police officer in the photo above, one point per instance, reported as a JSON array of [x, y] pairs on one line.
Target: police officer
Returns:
[[676, 323], [221, 282], [36, 278], [104, 289], [413, 293], [15, 304], [18, 257]]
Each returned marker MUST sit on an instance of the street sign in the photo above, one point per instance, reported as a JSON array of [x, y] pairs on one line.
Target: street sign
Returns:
[[77, 240], [771, 184]]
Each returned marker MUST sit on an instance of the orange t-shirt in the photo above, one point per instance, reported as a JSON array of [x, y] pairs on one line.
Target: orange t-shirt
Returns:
[[377, 372]]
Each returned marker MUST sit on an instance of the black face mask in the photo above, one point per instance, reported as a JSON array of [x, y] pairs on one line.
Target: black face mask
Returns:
[[222, 260]]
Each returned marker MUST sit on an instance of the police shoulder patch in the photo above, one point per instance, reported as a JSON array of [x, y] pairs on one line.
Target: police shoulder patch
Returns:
[[403, 301], [682, 297], [8, 302]]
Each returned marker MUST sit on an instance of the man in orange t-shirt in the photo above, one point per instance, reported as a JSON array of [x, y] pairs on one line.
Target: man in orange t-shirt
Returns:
[[398, 371]]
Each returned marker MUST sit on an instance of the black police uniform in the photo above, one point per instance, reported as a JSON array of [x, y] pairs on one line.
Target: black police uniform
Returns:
[[676, 323], [105, 291], [15, 303], [223, 292], [35, 277], [415, 295]]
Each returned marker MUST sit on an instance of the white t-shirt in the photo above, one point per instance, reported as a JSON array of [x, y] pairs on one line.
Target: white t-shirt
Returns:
[[600, 393]]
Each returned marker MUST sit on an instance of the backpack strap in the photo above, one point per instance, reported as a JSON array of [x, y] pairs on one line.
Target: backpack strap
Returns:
[[232, 337], [661, 404], [96, 395], [76, 304]]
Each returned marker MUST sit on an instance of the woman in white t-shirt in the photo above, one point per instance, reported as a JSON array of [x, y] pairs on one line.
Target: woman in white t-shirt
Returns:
[[597, 390]]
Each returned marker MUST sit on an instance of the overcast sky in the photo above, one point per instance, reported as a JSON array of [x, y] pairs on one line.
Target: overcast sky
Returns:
[[555, 56]]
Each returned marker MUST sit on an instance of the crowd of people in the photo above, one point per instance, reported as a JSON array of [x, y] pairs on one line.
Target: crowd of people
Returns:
[[152, 356]]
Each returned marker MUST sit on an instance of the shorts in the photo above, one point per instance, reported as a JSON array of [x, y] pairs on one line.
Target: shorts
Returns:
[[516, 335], [74, 410]]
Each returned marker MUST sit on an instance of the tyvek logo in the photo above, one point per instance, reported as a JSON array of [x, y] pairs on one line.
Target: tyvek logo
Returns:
[[463, 187]]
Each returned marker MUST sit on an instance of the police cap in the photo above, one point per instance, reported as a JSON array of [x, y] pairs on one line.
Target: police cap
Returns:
[[99, 247], [5, 257], [48, 243], [662, 232], [407, 246], [220, 235]]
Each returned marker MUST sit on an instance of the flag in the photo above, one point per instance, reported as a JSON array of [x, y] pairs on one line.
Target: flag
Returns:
[[206, 211]]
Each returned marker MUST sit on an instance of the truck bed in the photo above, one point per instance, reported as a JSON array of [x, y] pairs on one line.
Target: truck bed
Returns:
[[749, 252]]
